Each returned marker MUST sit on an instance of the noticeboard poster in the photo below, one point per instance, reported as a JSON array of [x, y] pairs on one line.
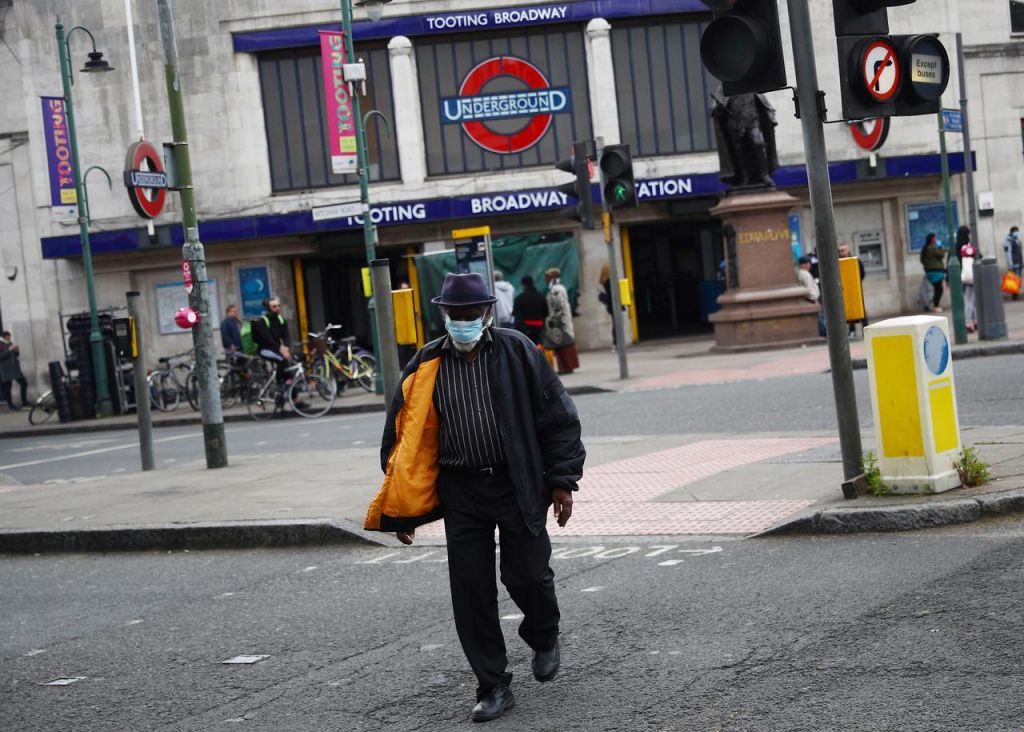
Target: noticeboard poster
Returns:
[[927, 218], [170, 296], [254, 288]]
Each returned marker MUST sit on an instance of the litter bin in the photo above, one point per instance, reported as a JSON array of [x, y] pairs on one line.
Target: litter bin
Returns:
[[988, 300]]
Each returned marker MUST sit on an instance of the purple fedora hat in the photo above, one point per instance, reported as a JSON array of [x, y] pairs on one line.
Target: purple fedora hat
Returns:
[[464, 289]]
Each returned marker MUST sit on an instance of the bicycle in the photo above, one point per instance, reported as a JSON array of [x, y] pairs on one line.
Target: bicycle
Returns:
[[241, 377], [309, 395], [347, 363], [44, 408], [166, 389]]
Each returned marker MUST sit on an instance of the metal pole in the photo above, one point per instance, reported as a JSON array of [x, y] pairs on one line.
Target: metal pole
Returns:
[[193, 252], [956, 290], [380, 272], [377, 323], [972, 203], [103, 405], [820, 191], [613, 274], [142, 410]]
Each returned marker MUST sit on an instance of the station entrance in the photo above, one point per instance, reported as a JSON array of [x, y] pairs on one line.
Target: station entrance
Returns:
[[674, 268]]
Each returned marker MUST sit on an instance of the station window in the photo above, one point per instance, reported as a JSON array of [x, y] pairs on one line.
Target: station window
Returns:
[[294, 113], [662, 87], [1016, 16]]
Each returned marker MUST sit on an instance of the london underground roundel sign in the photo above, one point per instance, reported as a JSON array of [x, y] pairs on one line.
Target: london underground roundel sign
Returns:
[[145, 179], [505, 105], [870, 134]]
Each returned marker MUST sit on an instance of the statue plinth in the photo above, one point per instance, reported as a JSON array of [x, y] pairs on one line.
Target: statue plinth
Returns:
[[764, 306]]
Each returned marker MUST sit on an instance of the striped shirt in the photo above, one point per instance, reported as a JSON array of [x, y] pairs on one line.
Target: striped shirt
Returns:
[[465, 403]]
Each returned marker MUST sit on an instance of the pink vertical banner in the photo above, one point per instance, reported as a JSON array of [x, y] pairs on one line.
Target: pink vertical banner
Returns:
[[340, 121]]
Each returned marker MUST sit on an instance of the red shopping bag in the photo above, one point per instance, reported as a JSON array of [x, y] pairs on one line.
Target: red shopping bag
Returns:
[[1011, 283]]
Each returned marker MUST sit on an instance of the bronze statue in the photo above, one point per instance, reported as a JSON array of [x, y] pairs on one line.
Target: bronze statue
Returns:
[[745, 134]]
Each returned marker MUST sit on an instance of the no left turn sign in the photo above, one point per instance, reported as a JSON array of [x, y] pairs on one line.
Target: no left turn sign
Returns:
[[880, 70]]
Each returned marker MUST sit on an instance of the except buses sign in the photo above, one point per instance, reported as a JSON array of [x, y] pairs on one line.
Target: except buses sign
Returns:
[[478, 111]]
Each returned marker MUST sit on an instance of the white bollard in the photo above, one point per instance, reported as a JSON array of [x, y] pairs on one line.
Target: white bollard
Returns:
[[913, 399]]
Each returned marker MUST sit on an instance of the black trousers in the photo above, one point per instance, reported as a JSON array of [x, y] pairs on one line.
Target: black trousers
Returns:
[[473, 506], [7, 388]]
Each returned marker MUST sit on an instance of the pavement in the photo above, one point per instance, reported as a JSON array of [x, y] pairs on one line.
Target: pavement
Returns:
[[662, 486]]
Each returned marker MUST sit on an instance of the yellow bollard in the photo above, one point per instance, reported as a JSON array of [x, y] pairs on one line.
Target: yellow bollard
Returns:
[[913, 400], [624, 296], [853, 294], [405, 317]]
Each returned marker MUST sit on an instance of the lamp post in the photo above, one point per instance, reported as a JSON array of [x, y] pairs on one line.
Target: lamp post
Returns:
[[96, 63], [374, 9]]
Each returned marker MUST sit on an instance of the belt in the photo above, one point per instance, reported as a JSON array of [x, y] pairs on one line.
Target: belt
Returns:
[[477, 470]]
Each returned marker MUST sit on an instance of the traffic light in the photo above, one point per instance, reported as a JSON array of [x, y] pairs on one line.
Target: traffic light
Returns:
[[618, 188], [882, 75], [579, 166], [742, 46]]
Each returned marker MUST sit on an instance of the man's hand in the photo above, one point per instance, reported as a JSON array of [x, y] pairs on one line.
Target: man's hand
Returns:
[[562, 501], [286, 352], [406, 537]]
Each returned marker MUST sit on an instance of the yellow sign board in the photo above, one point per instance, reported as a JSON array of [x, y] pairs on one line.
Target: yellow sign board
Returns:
[[471, 233]]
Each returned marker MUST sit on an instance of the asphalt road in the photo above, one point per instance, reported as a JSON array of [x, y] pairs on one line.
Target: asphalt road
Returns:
[[916, 631], [989, 392]]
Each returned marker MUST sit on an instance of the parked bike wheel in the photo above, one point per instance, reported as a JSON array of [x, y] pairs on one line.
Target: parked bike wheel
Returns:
[[321, 370], [364, 371], [192, 389], [163, 392], [44, 408], [230, 388], [311, 395], [267, 403]]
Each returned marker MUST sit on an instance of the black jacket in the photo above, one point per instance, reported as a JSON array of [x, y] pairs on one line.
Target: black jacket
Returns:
[[529, 305], [270, 331], [536, 418]]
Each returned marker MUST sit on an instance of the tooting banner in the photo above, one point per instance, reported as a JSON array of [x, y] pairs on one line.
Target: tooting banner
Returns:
[[58, 153], [340, 120]]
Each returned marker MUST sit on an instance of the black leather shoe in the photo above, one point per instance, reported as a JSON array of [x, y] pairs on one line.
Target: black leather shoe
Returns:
[[497, 701], [546, 663]]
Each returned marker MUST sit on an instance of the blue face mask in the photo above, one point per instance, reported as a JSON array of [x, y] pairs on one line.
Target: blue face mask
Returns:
[[464, 331]]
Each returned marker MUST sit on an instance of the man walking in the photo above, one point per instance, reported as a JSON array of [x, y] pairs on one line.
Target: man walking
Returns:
[[482, 432], [1014, 256], [506, 297], [231, 330], [10, 372]]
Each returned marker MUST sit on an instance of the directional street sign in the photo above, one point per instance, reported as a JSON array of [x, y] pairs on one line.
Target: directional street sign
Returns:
[[880, 70], [952, 120]]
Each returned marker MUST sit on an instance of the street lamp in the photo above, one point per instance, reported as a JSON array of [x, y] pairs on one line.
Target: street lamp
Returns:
[[96, 63], [374, 10]]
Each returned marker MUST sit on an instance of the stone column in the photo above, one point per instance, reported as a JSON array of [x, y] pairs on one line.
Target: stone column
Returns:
[[412, 147], [764, 306], [604, 106]]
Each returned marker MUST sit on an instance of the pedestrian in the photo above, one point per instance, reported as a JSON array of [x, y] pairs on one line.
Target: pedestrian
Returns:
[[559, 334], [482, 432], [270, 331], [933, 261], [231, 330], [967, 253], [530, 310], [846, 253], [605, 295], [1014, 256], [506, 300], [806, 279], [10, 372]]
